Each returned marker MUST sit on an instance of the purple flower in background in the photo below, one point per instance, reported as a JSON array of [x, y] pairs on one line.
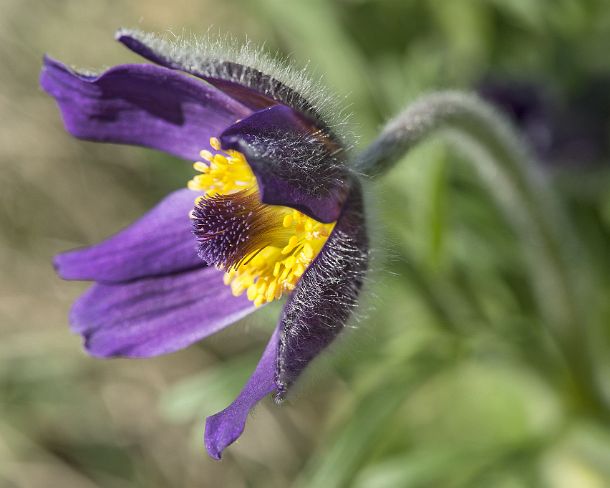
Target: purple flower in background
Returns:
[[273, 212], [563, 128]]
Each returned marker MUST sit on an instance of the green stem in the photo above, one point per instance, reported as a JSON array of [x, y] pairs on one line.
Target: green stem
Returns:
[[560, 275]]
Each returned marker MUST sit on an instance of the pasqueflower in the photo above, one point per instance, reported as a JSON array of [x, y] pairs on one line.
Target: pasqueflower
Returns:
[[273, 212], [562, 127]]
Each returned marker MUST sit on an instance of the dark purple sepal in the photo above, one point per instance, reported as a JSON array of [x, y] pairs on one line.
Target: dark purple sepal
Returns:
[[160, 242], [295, 164], [143, 105], [250, 97], [224, 428], [155, 316], [251, 87], [325, 296]]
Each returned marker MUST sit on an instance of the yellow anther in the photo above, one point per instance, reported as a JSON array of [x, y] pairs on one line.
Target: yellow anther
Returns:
[[228, 172], [201, 167], [220, 159], [275, 268], [289, 262], [205, 155], [261, 287], [308, 250], [204, 180], [284, 276], [252, 293], [292, 243], [270, 295]]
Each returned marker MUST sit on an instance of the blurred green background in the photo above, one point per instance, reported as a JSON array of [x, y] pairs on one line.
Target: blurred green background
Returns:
[[450, 379]]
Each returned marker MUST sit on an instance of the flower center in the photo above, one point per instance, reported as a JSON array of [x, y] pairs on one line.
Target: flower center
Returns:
[[264, 249]]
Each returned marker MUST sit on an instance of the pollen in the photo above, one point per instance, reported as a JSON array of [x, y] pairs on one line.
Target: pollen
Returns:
[[263, 249]]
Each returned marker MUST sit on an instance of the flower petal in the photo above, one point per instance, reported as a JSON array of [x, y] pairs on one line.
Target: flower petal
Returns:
[[160, 242], [157, 315], [248, 85], [326, 294], [224, 428], [144, 105], [155, 50], [295, 165]]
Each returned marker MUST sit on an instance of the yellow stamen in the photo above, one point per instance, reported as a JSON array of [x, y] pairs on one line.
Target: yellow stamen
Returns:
[[277, 264], [215, 143], [205, 154], [287, 222]]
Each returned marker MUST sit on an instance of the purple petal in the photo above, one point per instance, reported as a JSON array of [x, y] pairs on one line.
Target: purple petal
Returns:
[[295, 165], [326, 294], [156, 316], [251, 98], [224, 428], [143, 105], [248, 85], [160, 242]]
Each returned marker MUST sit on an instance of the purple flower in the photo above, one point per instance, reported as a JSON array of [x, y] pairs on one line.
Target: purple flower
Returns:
[[275, 211], [562, 128]]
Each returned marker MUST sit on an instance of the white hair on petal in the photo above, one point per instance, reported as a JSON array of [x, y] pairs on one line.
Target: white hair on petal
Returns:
[[226, 58], [326, 296]]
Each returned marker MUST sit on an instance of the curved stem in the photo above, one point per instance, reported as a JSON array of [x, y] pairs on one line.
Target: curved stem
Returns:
[[559, 272]]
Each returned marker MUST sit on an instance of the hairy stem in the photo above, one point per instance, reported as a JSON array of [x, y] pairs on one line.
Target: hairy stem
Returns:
[[559, 272]]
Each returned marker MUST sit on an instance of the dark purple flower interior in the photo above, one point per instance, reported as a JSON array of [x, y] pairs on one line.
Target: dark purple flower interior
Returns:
[[231, 227], [294, 166]]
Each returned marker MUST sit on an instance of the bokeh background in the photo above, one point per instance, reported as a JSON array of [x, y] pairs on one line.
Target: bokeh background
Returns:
[[450, 378]]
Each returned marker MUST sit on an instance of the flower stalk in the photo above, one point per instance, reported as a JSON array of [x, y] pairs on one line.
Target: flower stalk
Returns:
[[561, 277]]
